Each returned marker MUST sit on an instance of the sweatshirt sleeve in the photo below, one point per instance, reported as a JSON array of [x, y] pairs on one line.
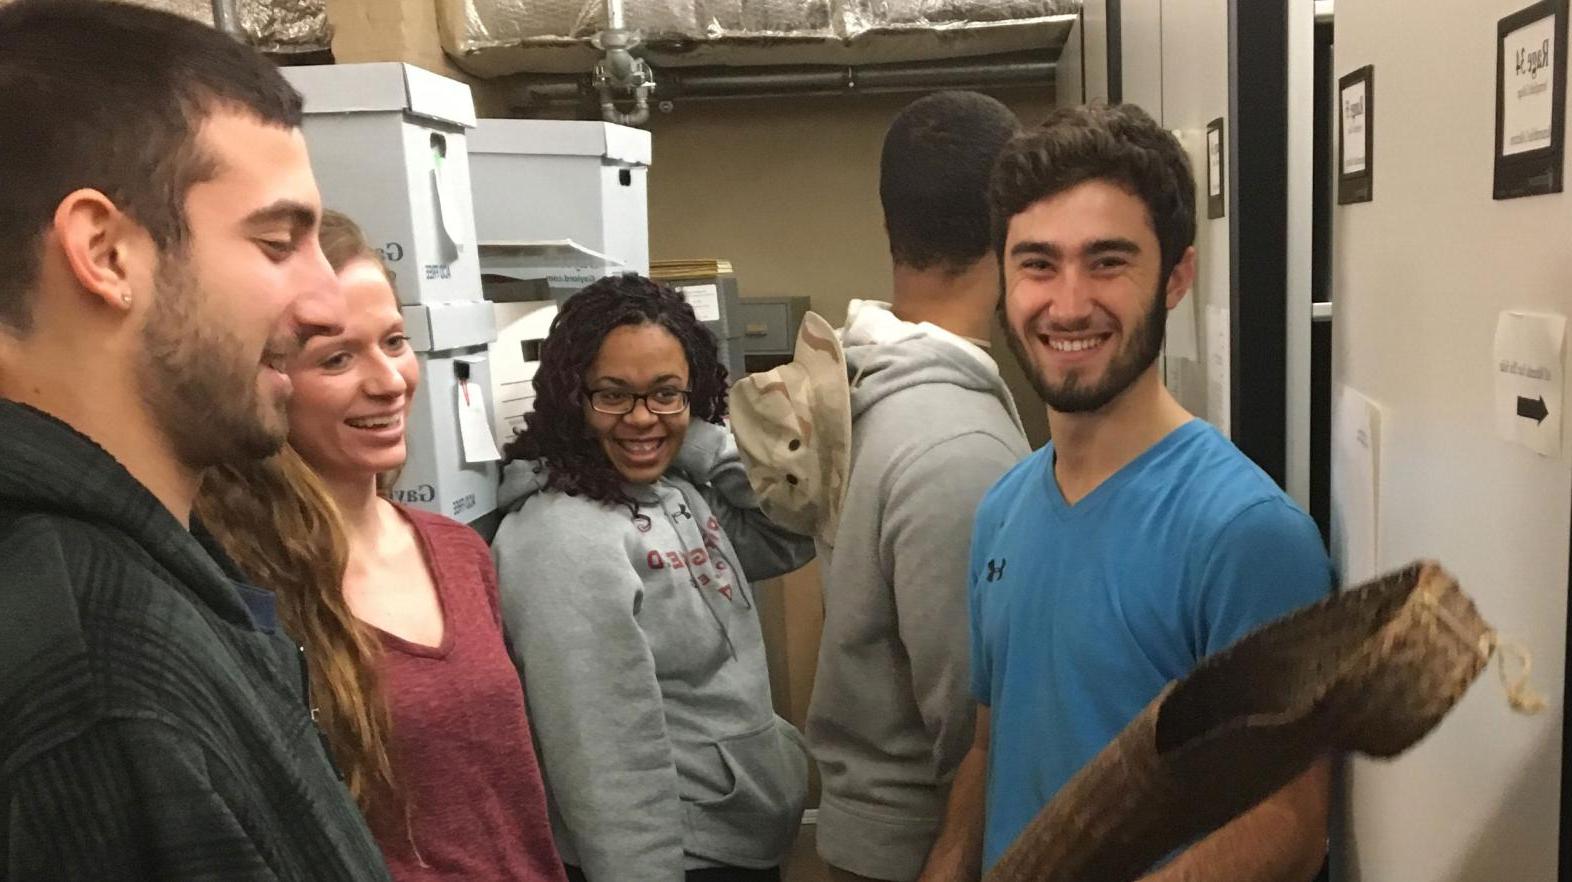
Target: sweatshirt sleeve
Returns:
[[925, 549], [570, 603], [710, 460]]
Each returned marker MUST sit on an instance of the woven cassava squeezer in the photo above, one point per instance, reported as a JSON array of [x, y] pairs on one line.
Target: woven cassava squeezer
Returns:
[[1371, 669]]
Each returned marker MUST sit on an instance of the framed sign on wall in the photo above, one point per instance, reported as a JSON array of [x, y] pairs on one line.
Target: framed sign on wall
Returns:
[[1356, 143], [1216, 151], [1531, 100]]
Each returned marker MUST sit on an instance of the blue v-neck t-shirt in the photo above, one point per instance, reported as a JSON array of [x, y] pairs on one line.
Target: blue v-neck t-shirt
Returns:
[[1082, 613]]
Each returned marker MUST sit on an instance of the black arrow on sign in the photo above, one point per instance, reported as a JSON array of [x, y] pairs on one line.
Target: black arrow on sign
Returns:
[[1533, 408]]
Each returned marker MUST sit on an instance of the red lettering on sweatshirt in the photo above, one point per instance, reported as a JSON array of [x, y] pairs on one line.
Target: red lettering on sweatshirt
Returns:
[[694, 559]]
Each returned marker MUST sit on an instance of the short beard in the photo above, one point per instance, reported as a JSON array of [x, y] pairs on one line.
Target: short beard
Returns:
[[1145, 344], [193, 378]]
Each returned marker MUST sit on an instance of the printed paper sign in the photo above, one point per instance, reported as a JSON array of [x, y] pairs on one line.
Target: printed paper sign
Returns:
[[705, 300], [1354, 120], [1527, 77], [1356, 485], [1529, 379], [1181, 339], [1214, 162], [1218, 354]]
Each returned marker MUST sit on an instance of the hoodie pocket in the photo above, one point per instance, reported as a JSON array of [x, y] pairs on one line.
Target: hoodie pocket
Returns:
[[754, 824]]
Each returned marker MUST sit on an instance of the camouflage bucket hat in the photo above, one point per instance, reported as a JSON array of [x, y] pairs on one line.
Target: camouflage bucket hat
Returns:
[[793, 429]]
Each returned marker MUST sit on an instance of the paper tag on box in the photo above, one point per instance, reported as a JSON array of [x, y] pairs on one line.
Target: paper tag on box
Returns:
[[480, 445], [447, 202]]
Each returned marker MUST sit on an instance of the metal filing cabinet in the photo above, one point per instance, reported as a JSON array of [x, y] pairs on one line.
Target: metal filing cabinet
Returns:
[[769, 330], [715, 302]]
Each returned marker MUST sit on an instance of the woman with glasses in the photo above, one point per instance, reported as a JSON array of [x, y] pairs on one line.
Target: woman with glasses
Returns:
[[626, 555]]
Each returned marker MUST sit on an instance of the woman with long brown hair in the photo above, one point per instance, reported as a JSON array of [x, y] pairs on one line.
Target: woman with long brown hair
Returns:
[[397, 609]]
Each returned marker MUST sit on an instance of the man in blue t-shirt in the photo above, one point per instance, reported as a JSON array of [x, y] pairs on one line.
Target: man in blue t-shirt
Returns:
[[1140, 541]]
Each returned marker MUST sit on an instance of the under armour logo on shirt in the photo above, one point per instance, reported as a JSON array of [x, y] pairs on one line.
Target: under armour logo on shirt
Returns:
[[996, 569]]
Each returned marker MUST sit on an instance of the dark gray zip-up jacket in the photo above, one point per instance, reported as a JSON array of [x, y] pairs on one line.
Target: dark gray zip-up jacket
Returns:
[[152, 723]]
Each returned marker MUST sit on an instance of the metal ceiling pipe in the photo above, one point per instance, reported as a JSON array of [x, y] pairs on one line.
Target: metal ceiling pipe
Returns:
[[938, 77], [742, 82], [226, 18], [621, 75], [638, 116], [771, 82]]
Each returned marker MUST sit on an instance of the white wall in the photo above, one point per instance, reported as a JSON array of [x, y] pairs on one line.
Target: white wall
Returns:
[[1141, 54], [1094, 51], [1176, 65], [1420, 275], [1193, 85], [1301, 180], [1069, 74]]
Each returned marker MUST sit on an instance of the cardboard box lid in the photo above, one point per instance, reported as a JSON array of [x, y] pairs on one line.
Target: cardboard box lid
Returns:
[[383, 87], [546, 259], [439, 327], [554, 137]]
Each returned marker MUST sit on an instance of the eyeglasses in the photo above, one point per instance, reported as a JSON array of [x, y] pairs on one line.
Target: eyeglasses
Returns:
[[616, 402]]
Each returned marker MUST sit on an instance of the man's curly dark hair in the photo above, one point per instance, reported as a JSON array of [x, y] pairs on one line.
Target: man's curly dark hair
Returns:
[[1117, 143], [555, 432]]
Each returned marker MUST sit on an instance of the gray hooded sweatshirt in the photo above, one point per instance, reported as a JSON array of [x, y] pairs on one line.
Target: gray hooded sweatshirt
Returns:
[[933, 427], [639, 642]]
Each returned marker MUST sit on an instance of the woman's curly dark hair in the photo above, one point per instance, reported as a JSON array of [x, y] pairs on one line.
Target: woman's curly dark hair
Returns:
[[554, 432]]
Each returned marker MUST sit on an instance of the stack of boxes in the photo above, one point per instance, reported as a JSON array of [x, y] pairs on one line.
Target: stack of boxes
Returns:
[[388, 146], [558, 204]]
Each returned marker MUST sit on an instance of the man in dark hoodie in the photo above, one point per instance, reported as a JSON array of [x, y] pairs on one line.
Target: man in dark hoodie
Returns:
[[158, 263], [933, 426]]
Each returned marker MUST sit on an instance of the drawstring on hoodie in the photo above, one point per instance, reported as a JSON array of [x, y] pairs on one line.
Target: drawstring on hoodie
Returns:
[[704, 595]]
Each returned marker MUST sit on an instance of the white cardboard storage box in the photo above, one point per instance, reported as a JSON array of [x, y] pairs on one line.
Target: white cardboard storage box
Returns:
[[388, 146], [541, 180]]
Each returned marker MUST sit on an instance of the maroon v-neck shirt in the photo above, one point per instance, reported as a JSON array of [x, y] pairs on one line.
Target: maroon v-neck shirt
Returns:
[[461, 746]]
